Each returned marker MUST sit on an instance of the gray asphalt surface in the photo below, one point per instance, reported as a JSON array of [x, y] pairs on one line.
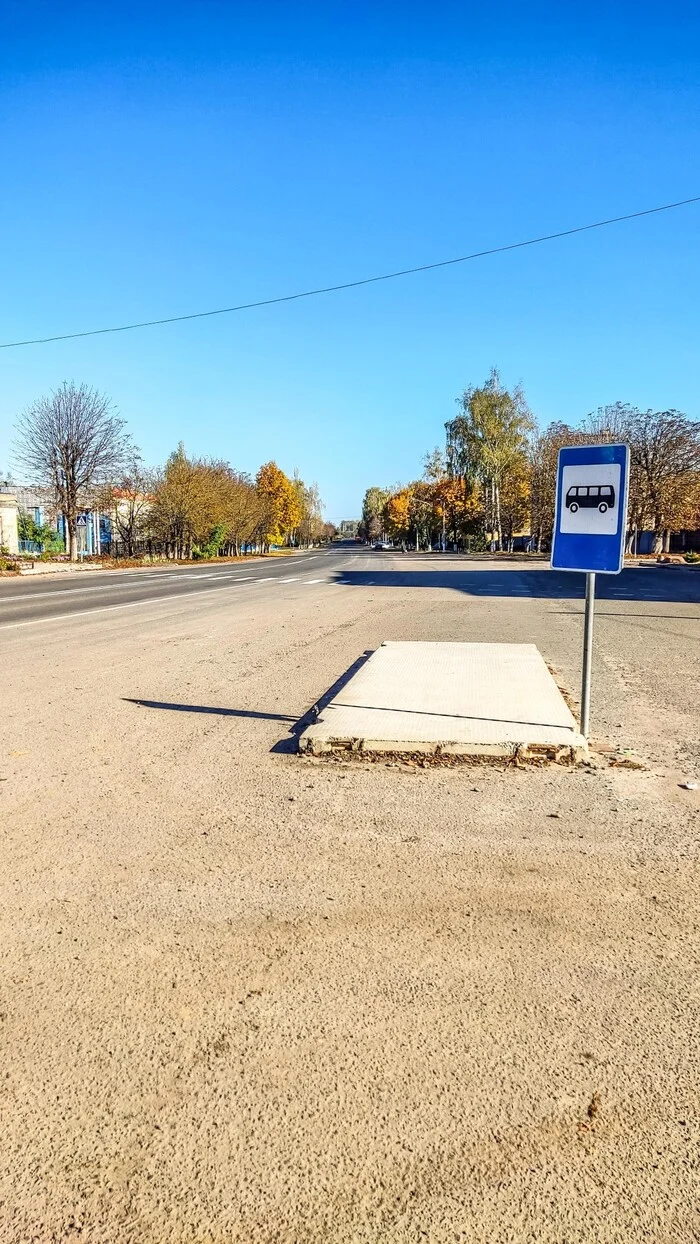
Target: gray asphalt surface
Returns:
[[45, 598]]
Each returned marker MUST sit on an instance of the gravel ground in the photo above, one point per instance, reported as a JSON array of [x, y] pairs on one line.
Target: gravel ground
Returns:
[[250, 997]]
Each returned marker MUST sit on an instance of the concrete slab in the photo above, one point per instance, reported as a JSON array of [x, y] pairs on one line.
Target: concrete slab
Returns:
[[448, 698]]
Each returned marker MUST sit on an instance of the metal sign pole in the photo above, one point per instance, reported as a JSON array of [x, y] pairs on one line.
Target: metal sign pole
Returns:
[[587, 654], [590, 521]]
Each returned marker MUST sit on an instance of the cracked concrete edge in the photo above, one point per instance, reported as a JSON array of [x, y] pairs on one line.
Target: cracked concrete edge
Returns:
[[574, 753]]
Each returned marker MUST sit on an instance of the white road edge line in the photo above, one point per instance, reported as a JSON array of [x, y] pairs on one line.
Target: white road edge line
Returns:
[[69, 591], [104, 587], [131, 604]]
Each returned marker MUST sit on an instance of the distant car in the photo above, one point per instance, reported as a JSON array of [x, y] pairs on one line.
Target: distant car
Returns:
[[591, 497], [381, 546]]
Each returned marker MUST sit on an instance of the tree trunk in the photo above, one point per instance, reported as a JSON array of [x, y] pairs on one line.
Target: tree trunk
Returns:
[[72, 539], [658, 545], [499, 532]]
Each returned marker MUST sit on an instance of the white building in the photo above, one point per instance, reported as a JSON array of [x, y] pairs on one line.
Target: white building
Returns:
[[8, 520]]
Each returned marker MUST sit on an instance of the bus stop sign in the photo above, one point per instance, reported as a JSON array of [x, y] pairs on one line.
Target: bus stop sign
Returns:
[[590, 523], [590, 516]]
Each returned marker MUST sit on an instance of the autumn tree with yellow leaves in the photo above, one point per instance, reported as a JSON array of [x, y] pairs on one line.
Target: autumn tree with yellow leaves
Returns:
[[202, 507], [397, 514], [496, 478], [282, 510]]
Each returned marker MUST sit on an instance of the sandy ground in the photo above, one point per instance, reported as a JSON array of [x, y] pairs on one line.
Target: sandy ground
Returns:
[[249, 997]]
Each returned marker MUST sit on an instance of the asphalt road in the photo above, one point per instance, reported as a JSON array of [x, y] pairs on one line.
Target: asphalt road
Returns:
[[52, 597], [30, 601], [251, 996]]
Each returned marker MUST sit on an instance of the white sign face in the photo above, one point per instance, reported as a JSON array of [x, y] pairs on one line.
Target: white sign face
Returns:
[[590, 499]]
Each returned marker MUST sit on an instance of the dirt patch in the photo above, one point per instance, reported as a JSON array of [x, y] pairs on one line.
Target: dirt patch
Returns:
[[247, 996]]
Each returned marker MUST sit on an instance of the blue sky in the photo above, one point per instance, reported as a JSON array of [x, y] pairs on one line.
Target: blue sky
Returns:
[[185, 157]]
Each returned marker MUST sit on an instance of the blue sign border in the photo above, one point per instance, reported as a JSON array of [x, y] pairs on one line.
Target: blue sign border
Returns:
[[590, 553]]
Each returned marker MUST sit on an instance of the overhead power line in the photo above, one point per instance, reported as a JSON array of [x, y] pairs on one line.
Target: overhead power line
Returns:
[[367, 280]]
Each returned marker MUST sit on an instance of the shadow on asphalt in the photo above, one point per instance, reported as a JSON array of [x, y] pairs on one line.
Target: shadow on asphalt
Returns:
[[290, 744], [646, 617], [284, 746], [204, 708], [672, 584]]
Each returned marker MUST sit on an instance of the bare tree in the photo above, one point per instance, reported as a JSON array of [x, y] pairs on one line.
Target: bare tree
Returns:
[[73, 441], [666, 451], [129, 501], [543, 452]]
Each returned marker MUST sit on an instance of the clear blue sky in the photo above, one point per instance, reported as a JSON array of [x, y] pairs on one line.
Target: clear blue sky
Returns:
[[158, 160]]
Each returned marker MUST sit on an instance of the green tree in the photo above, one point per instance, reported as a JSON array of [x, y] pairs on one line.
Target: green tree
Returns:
[[373, 506], [39, 533], [488, 440]]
